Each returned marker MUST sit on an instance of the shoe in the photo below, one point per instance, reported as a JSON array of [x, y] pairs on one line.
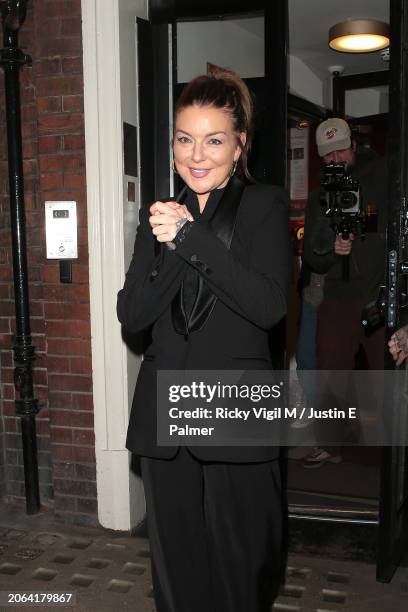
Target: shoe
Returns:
[[318, 457]]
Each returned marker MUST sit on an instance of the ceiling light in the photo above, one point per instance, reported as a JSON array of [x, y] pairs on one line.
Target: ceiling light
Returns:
[[359, 36]]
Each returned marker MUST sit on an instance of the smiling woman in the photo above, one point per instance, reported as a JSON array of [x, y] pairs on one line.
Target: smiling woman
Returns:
[[214, 513], [205, 149]]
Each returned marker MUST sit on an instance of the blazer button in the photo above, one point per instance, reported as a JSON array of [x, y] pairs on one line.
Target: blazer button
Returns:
[[153, 274], [194, 258]]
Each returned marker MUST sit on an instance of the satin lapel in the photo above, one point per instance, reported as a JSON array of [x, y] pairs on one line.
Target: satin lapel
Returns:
[[223, 224]]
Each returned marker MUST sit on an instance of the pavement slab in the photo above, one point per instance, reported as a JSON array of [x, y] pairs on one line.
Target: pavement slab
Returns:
[[110, 571]]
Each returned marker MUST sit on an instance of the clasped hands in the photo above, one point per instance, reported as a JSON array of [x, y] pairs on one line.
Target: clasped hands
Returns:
[[164, 218]]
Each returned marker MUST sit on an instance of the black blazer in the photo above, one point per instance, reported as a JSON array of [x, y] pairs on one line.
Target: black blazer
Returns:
[[250, 281]]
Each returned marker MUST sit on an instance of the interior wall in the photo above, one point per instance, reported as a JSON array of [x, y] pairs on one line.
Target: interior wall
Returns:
[[239, 45], [223, 43]]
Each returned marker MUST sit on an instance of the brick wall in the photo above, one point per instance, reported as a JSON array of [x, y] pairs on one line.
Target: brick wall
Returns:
[[54, 167]]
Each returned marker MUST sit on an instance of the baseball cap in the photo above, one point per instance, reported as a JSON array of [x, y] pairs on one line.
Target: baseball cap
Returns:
[[332, 135]]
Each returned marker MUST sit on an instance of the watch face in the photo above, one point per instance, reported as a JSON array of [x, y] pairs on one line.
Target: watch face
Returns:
[[171, 246]]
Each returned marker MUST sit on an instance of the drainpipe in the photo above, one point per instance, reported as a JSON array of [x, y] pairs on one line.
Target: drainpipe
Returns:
[[12, 59]]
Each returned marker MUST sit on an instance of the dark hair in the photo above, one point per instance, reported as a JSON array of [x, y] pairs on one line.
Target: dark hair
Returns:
[[225, 90]]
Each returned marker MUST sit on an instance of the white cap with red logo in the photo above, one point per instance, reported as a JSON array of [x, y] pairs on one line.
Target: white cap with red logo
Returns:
[[332, 135]]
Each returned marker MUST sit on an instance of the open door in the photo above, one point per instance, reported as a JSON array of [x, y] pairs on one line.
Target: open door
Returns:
[[393, 525]]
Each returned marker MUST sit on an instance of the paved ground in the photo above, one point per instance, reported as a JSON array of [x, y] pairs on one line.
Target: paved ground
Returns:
[[107, 571]]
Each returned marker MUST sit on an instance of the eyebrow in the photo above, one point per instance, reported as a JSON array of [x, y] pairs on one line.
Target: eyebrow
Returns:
[[210, 134]]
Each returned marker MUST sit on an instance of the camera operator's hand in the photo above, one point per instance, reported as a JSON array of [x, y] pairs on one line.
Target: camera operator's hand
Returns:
[[398, 345], [343, 247]]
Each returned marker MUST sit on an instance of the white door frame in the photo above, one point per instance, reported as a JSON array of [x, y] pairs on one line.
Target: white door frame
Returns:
[[121, 503]]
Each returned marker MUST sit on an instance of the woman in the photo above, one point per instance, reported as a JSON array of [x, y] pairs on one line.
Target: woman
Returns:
[[210, 295]]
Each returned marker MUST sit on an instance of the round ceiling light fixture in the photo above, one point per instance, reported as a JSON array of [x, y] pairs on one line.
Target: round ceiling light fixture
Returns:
[[359, 36]]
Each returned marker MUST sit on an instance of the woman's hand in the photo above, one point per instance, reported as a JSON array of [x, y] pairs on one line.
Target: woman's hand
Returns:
[[398, 345], [165, 219]]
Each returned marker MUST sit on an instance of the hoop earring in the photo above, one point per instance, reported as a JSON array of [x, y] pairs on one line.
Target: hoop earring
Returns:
[[172, 165], [233, 169]]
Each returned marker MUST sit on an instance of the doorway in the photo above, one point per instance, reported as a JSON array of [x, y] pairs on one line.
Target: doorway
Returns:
[[313, 86]]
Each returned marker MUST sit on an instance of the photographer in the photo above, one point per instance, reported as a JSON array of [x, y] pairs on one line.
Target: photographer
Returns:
[[340, 335]]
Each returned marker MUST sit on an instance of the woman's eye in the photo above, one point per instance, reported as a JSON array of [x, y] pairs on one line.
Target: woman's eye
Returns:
[[183, 139], [215, 141]]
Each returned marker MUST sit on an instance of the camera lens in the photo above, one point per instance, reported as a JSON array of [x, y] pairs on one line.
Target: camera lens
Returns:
[[348, 199]]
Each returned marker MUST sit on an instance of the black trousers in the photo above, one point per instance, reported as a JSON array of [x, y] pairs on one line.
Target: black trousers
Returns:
[[215, 533]]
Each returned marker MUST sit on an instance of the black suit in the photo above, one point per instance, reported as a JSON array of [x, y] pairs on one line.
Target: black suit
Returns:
[[241, 252]]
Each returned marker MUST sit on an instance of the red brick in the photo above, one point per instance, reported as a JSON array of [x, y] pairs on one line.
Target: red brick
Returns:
[[74, 142], [28, 95], [58, 364], [14, 457], [68, 346], [60, 399], [29, 130], [58, 310], [70, 329], [69, 382], [74, 181], [62, 452], [61, 8], [80, 273], [85, 437], [87, 505], [82, 401], [43, 426], [71, 45], [65, 502], [64, 469], [61, 123], [73, 103], [51, 181], [43, 443], [30, 150], [85, 472], [30, 166], [61, 435], [67, 418], [74, 487], [71, 25], [50, 104], [68, 161], [10, 424], [4, 259], [49, 144], [4, 291], [4, 325], [6, 359], [50, 273], [72, 65], [8, 392], [49, 26], [6, 274], [12, 441], [81, 365], [15, 489], [61, 85], [28, 113]]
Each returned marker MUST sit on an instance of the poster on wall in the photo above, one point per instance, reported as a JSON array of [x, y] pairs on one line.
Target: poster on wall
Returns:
[[298, 163]]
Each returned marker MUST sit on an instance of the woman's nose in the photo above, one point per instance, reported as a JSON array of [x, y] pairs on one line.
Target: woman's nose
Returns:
[[198, 152]]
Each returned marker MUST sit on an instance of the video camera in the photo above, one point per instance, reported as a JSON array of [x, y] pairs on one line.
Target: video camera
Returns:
[[342, 203], [341, 200]]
